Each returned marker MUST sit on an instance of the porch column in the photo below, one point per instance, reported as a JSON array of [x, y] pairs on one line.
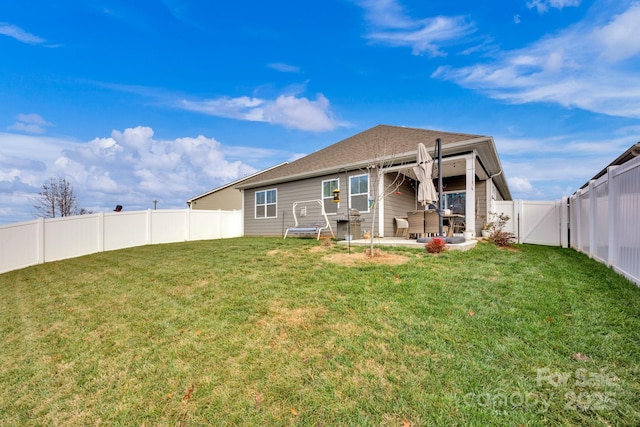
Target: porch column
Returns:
[[470, 207]]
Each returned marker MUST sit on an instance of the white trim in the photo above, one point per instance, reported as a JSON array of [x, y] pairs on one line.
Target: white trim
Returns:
[[380, 206], [322, 196], [351, 193], [266, 204], [470, 208]]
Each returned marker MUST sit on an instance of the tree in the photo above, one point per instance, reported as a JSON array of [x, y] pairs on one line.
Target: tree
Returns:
[[384, 158], [57, 199]]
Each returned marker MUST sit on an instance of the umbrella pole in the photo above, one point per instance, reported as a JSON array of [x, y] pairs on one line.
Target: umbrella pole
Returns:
[[440, 201]]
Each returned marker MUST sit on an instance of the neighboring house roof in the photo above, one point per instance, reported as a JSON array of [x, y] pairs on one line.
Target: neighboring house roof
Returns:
[[393, 142], [235, 183], [629, 154]]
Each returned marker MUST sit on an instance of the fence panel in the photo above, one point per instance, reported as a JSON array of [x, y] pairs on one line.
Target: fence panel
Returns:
[[509, 208], [203, 225], [70, 237], [168, 226], [600, 212], [19, 245], [583, 207], [540, 222], [626, 219], [125, 230], [29, 243], [605, 217], [573, 222]]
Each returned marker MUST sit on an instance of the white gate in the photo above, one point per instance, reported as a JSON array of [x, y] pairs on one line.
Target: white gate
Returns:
[[535, 222], [540, 223]]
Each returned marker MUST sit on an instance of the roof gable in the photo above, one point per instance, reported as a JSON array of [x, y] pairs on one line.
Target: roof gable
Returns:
[[236, 182]]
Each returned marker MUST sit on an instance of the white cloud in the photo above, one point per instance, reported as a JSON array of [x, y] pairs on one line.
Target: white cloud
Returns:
[[131, 167], [19, 34], [390, 26], [286, 110], [589, 66], [543, 5], [620, 38], [282, 67], [520, 185], [535, 166], [29, 123]]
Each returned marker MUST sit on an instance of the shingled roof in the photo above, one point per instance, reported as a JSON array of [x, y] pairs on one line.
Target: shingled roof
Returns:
[[360, 149]]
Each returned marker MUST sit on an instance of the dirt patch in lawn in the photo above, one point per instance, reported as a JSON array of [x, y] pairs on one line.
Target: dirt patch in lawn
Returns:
[[360, 258]]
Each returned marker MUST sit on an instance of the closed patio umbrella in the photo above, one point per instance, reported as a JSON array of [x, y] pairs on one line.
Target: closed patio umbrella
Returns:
[[426, 190]]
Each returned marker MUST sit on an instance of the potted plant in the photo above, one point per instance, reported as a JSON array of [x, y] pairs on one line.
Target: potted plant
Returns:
[[486, 230]]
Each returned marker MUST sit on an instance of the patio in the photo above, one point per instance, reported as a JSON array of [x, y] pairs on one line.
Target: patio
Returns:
[[408, 243]]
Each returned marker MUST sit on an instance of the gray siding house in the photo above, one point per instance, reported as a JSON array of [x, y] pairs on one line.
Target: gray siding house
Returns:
[[471, 170]]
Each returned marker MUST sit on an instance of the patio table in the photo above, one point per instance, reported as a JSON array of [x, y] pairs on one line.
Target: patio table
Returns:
[[452, 219]]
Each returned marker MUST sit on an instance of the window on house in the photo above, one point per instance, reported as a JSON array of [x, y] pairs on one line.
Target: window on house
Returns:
[[457, 202], [327, 195], [359, 192], [266, 203]]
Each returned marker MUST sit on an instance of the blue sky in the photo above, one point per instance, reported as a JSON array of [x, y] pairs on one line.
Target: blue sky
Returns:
[[166, 99]]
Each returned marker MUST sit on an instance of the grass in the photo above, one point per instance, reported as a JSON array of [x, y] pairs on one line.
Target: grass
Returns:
[[261, 331]]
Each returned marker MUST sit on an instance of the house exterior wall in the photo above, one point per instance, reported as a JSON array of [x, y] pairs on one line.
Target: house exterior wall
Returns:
[[227, 199], [393, 204], [287, 194], [397, 205], [482, 208]]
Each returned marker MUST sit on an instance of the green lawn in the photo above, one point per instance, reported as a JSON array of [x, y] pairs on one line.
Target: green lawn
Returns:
[[262, 331]]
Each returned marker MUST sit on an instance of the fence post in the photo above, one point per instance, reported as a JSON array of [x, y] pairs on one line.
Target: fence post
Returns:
[[518, 214], [592, 218], [611, 217], [564, 222]]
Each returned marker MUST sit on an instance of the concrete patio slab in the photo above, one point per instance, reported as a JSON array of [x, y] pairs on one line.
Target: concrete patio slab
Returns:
[[408, 243]]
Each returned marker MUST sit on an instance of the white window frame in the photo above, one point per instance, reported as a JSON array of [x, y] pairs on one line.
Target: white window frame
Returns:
[[447, 193], [266, 204], [323, 197], [352, 194]]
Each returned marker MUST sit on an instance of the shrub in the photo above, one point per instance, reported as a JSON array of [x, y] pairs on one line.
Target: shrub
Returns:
[[498, 236], [503, 238], [436, 245]]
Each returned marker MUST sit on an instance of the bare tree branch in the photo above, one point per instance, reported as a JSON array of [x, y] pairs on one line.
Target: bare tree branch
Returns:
[[57, 199]]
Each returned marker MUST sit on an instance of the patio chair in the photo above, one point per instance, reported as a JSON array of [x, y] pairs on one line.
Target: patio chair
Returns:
[[416, 223], [431, 223], [402, 227], [459, 227]]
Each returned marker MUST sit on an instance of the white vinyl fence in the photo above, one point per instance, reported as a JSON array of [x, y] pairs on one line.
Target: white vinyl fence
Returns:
[[601, 220], [536, 222], [605, 219], [35, 242]]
